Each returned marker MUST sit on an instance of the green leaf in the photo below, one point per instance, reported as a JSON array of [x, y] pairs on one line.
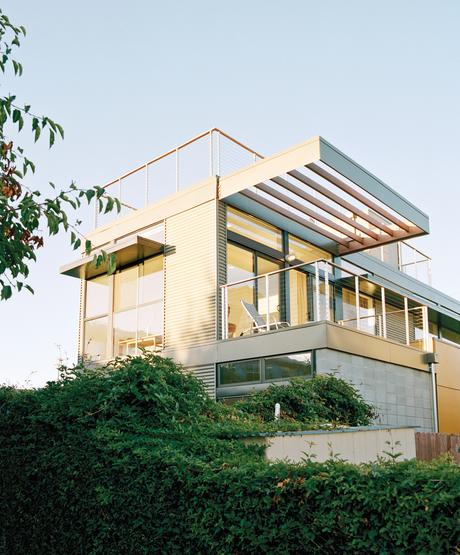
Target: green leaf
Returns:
[[112, 264], [88, 247], [51, 138], [109, 205], [6, 292]]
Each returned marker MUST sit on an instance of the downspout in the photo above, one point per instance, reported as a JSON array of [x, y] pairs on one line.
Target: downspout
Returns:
[[432, 359]]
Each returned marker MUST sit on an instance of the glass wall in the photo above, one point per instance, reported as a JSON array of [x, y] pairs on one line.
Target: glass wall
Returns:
[[124, 312], [96, 321], [138, 307]]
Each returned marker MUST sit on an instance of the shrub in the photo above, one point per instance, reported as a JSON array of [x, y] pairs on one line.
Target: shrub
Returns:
[[122, 461], [321, 399]]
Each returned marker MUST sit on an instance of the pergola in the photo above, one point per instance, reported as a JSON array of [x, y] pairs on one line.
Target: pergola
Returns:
[[319, 188]]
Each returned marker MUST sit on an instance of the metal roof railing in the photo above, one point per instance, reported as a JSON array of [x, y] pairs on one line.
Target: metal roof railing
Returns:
[[210, 153]]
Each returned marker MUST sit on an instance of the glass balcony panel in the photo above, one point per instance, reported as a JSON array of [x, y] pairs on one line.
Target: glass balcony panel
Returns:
[[95, 334], [240, 266], [265, 266], [298, 297]]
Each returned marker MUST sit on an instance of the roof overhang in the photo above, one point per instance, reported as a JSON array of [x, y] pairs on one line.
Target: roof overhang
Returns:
[[317, 188], [128, 252]]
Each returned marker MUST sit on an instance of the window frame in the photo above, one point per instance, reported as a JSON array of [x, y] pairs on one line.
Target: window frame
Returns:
[[262, 362], [110, 344]]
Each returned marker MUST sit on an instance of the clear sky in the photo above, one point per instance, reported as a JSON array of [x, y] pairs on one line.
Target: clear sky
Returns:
[[380, 80]]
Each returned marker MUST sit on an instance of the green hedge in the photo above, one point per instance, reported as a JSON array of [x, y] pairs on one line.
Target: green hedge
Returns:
[[125, 462]]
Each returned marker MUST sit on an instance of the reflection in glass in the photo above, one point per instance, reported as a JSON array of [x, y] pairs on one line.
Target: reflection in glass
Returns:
[[124, 332], [286, 367], [95, 335], [150, 326], [243, 371], [306, 252], [125, 289], [298, 297], [240, 266], [253, 228], [265, 266], [151, 280], [97, 296]]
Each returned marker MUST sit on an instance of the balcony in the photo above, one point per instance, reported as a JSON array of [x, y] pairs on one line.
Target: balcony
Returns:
[[405, 257], [322, 291]]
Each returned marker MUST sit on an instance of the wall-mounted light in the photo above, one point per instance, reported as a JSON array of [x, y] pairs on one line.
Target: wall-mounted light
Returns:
[[290, 257]]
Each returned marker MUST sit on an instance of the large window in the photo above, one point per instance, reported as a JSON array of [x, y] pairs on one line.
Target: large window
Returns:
[[96, 321], [262, 370], [124, 312], [138, 307]]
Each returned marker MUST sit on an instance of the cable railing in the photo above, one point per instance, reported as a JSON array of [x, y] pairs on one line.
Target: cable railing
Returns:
[[406, 258], [321, 290], [414, 262], [210, 153]]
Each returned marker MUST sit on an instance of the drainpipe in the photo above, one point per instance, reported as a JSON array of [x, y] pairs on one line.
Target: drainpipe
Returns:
[[433, 359]]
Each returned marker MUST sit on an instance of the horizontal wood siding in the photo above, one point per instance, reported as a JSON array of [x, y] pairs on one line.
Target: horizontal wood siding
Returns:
[[207, 375], [221, 259], [190, 277]]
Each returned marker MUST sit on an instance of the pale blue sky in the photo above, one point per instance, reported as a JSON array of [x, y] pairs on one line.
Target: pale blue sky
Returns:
[[380, 80]]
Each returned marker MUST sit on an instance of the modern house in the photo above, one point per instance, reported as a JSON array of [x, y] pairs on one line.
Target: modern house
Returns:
[[251, 270]]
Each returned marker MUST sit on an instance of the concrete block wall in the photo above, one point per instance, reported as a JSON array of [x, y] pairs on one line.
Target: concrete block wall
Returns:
[[402, 396]]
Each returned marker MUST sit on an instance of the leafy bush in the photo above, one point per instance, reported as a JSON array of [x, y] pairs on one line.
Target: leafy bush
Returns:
[[321, 399], [127, 460]]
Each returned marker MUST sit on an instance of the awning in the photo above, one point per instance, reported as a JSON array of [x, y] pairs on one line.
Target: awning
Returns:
[[317, 187], [132, 250]]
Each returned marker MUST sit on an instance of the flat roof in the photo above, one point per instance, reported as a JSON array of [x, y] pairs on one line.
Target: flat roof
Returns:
[[315, 186]]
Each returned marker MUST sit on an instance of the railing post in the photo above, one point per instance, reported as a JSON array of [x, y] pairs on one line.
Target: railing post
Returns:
[[384, 313], [357, 305], [425, 325], [218, 153], [267, 303], [211, 155], [406, 320], [224, 313], [317, 304], [119, 189], [146, 184], [177, 169], [326, 286]]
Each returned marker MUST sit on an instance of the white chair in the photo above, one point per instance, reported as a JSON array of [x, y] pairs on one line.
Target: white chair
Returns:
[[258, 322]]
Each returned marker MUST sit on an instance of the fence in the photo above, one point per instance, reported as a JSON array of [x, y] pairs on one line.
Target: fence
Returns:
[[430, 445]]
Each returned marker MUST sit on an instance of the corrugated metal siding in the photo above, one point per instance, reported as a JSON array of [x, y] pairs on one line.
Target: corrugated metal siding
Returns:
[[221, 259], [190, 277], [207, 374]]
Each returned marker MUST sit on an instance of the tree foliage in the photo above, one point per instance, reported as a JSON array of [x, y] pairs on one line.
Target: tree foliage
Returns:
[[24, 211], [129, 459]]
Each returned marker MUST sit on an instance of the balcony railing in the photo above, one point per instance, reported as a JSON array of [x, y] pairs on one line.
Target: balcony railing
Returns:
[[322, 291], [210, 153]]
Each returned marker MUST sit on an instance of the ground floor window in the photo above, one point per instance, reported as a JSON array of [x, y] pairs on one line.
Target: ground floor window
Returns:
[[262, 370]]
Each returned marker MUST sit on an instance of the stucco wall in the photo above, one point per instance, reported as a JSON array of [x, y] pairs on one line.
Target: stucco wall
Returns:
[[402, 395]]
